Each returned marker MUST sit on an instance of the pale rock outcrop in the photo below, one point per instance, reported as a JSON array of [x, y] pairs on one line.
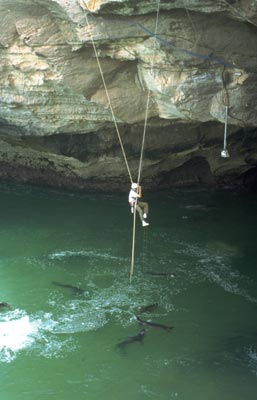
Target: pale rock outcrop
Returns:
[[56, 124]]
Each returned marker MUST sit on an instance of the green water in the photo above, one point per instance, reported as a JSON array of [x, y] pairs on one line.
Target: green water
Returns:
[[59, 344]]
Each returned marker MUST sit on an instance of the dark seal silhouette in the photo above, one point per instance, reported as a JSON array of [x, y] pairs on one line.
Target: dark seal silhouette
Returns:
[[147, 308], [155, 325], [138, 338], [75, 289], [4, 305]]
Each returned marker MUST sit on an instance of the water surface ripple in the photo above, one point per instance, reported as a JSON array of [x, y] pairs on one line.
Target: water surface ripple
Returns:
[[64, 270]]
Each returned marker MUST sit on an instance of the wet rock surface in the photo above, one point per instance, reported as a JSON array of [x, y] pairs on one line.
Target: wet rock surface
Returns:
[[56, 125]]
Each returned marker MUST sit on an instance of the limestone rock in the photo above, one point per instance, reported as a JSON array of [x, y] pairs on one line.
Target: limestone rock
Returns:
[[57, 121]]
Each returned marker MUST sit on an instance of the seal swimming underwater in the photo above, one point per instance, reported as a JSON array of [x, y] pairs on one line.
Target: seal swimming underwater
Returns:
[[75, 289], [155, 325], [139, 337]]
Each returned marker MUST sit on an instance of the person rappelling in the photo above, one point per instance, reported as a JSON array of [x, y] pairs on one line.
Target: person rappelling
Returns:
[[136, 190], [141, 206]]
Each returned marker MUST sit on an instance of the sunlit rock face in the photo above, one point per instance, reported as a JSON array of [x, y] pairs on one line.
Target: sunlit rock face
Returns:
[[57, 121]]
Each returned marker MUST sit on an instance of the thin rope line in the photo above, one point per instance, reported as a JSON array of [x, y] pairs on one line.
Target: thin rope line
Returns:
[[148, 100], [142, 151], [241, 14], [166, 42], [133, 243], [225, 128], [108, 98], [115, 123], [145, 248]]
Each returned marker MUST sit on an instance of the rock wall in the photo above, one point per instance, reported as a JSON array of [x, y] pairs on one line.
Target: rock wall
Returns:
[[57, 124]]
